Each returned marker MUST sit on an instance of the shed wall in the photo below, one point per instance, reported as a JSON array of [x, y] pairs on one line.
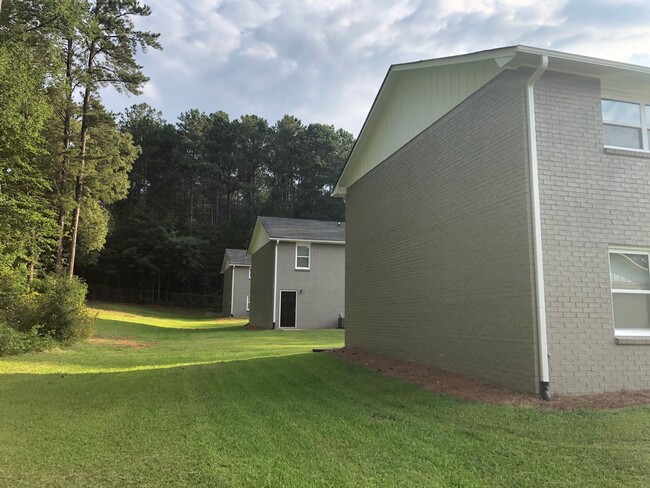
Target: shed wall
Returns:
[[261, 283], [242, 290], [321, 290], [227, 292]]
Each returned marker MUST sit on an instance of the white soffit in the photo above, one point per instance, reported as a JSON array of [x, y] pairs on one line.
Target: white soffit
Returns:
[[415, 95]]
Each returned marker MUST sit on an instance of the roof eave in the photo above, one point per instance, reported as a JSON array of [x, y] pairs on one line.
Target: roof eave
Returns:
[[511, 57]]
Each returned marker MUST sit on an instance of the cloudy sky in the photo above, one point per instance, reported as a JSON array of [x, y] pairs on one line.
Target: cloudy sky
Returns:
[[324, 60]]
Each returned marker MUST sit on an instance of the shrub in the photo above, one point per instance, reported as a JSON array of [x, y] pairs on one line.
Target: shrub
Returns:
[[12, 282], [61, 308], [15, 342], [52, 307]]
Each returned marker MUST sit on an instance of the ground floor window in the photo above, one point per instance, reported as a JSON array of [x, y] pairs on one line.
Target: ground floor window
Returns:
[[630, 280], [248, 303]]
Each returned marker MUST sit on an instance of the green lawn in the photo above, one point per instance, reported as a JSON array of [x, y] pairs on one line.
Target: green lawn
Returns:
[[208, 403]]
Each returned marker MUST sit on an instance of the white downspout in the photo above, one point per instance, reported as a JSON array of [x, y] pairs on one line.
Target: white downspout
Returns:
[[232, 292], [275, 281], [537, 230]]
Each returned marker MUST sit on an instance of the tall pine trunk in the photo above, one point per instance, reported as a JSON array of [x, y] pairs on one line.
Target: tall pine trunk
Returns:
[[63, 173], [79, 187]]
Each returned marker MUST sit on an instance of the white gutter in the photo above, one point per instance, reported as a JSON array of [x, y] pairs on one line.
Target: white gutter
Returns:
[[311, 241], [537, 230], [275, 280], [232, 292]]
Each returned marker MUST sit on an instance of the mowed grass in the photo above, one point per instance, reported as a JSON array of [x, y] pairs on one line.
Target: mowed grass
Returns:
[[208, 403]]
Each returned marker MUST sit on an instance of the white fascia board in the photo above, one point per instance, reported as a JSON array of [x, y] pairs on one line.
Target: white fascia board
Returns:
[[225, 264], [339, 191], [614, 75], [580, 61], [259, 238], [500, 55], [314, 241]]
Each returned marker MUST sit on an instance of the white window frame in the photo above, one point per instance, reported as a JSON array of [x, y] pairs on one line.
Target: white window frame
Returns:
[[249, 272], [644, 125], [308, 246], [627, 332], [248, 303]]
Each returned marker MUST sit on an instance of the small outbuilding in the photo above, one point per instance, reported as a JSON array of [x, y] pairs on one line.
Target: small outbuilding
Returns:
[[298, 278], [236, 271]]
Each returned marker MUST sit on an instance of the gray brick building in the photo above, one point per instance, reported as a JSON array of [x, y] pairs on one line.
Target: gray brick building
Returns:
[[498, 212], [236, 271], [298, 273]]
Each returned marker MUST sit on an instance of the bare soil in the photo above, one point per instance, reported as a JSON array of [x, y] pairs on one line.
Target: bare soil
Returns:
[[120, 341], [255, 327], [470, 389]]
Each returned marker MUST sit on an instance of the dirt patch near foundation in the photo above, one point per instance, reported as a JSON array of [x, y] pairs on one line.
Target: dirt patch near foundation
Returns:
[[121, 342], [255, 327], [466, 388]]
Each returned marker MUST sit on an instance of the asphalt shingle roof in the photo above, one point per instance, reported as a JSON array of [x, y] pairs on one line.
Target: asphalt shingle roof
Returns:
[[309, 230], [238, 257]]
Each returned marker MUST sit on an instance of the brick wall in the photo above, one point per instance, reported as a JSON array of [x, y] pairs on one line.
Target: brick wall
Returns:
[[438, 267], [321, 290], [590, 199], [262, 265]]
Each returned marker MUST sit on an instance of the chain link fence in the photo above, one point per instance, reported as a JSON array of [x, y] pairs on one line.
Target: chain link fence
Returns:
[[154, 297]]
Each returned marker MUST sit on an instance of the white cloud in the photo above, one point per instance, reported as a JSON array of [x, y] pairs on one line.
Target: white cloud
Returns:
[[324, 60]]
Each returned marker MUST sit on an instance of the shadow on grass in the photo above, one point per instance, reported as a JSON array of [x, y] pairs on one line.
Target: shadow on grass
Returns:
[[134, 327], [290, 375], [342, 425], [173, 314]]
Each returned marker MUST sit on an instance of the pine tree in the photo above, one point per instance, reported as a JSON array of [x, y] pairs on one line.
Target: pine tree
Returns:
[[111, 42]]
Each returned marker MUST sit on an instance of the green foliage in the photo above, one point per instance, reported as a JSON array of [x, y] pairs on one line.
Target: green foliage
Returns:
[[52, 307], [26, 228], [197, 187], [13, 342], [61, 309]]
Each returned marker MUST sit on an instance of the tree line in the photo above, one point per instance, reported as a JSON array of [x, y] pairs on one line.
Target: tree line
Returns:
[[132, 201], [197, 187], [63, 158]]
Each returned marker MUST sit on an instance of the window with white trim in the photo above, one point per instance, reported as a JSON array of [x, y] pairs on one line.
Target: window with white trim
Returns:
[[248, 303], [626, 124], [249, 272], [303, 255], [630, 279]]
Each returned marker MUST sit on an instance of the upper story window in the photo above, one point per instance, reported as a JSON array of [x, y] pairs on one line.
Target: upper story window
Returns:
[[303, 255], [630, 279], [249, 272], [626, 124]]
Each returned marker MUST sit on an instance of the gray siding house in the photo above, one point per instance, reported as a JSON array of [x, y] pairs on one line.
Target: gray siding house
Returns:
[[498, 213], [298, 276], [236, 271]]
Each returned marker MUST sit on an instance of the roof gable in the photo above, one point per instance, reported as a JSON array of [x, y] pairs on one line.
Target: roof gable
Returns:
[[235, 257], [285, 229], [413, 96]]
